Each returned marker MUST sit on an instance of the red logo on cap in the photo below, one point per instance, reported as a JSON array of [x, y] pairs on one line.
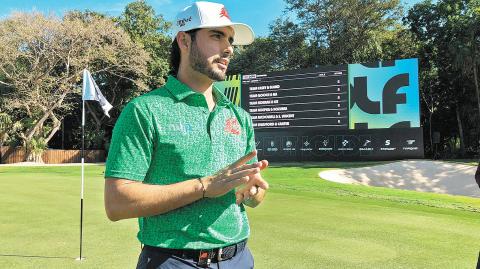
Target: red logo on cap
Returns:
[[224, 13]]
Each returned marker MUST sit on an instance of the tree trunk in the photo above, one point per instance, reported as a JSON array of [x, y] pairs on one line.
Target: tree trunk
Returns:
[[431, 135], [45, 116], [3, 138], [475, 79], [56, 127], [34, 157], [31, 156], [460, 132]]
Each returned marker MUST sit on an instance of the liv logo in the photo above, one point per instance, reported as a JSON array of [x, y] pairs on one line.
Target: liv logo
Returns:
[[390, 96], [180, 128], [384, 95]]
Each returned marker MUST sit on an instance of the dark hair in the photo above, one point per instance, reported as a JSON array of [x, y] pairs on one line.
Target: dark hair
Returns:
[[175, 52]]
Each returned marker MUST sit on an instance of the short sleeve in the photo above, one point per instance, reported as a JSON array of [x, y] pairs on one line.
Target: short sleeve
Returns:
[[131, 147], [250, 139]]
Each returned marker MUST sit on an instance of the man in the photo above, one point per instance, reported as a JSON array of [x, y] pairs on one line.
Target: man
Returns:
[[182, 158]]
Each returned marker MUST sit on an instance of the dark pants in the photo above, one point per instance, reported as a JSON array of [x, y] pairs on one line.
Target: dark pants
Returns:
[[151, 259]]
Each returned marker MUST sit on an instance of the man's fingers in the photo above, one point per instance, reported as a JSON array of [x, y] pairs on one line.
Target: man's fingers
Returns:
[[253, 190], [242, 194], [243, 160], [239, 197], [242, 173], [257, 180], [263, 164], [233, 183], [245, 167], [260, 182]]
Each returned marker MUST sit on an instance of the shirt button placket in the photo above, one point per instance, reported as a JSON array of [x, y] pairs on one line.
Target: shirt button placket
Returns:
[[210, 140]]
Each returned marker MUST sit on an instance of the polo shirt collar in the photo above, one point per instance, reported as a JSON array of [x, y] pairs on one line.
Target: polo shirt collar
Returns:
[[181, 91], [220, 98]]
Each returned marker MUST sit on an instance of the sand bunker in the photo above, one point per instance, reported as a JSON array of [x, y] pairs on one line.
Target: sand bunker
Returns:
[[418, 175]]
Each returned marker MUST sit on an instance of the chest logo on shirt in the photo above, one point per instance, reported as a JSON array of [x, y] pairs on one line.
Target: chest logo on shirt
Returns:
[[180, 128], [232, 126]]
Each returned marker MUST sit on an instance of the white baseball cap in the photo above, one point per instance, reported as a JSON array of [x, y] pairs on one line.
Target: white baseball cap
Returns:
[[211, 15]]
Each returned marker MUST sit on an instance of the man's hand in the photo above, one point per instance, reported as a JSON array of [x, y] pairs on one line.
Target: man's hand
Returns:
[[232, 176], [254, 191]]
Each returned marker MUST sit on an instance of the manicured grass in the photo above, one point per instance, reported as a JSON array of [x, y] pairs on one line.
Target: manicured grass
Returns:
[[305, 222]]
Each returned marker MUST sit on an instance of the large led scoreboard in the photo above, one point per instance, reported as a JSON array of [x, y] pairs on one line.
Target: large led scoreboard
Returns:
[[344, 112]]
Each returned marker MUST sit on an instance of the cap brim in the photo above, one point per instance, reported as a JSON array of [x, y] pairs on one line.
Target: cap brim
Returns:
[[243, 34]]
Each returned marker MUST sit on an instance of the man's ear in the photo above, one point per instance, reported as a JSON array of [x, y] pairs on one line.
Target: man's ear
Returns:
[[183, 40]]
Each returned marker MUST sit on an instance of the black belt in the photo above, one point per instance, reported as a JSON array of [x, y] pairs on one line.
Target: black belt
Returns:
[[203, 256]]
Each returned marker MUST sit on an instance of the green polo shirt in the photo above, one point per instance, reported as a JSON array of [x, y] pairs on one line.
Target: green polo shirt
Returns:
[[167, 136]]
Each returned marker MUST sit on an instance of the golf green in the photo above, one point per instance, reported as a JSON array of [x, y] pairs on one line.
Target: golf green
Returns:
[[305, 222]]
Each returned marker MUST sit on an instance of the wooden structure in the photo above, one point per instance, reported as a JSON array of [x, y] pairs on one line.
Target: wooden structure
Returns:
[[51, 156]]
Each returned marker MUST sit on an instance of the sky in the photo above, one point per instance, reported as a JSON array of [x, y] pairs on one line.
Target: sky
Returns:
[[256, 13]]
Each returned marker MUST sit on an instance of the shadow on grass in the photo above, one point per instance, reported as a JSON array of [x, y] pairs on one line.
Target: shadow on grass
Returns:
[[473, 162], [35, 256]]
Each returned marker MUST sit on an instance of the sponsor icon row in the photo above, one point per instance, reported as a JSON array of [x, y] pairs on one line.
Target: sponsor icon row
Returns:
[[369, 144]]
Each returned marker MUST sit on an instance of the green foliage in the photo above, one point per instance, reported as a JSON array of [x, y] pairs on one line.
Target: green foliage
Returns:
[[37, 145], [347, 31], [5, 122], [94, 138], [41, 64], [449, 39], [255, 58], [329, 32], [150, 30]]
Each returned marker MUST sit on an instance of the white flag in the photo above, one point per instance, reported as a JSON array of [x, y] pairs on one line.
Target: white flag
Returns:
[[91, 91]]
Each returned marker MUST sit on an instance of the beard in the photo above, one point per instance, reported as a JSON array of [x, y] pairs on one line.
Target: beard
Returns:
[[199, 63]]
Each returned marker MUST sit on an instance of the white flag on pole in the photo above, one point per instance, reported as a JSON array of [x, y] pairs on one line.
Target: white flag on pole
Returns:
[[91, 91]]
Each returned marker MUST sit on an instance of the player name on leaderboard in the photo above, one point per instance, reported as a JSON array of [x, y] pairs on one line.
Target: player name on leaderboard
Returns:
[[298, 99]]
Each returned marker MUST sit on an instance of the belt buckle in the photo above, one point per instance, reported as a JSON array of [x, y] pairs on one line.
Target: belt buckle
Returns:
[[219, 254], [204, 259]]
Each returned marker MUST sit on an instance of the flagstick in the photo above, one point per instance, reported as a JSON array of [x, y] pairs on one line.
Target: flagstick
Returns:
[[83, 176], [90, 91]]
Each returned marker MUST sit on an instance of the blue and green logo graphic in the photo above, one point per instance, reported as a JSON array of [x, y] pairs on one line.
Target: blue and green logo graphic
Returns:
[[384, 95]]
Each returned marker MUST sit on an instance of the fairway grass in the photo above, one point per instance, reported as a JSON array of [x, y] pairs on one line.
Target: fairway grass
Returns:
[[305, 222]]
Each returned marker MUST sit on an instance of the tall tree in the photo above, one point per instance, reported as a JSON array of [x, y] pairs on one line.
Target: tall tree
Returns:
[[345, 31], [448, 33], [151, 30], [330, 32], [465, 42], [258, 57], [41, 61], [285, 48]]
